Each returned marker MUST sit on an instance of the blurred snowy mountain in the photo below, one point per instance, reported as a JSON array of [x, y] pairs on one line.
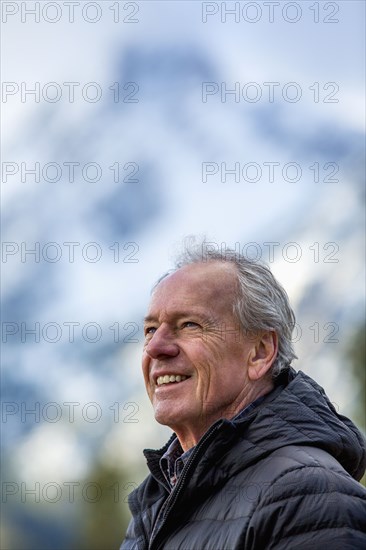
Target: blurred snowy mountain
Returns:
[[128, 179]]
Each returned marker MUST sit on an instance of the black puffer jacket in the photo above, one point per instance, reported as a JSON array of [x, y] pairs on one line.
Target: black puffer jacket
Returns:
[[284, 477]]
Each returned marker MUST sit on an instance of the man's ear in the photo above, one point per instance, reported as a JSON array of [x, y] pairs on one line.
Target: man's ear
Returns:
[[263, 354]]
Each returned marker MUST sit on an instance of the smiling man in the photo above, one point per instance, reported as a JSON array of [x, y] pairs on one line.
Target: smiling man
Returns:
[[192, 332], [259, 457]]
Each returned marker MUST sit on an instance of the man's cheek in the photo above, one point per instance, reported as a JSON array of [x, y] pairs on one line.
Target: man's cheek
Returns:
[[216, 349], [206, 376], [148, 386]]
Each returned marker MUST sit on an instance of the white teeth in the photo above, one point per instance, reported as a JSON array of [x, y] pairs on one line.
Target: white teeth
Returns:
[[170, 378]]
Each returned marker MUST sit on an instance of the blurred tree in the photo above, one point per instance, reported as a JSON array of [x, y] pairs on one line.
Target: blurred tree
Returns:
[[104, 514], [357, 358]]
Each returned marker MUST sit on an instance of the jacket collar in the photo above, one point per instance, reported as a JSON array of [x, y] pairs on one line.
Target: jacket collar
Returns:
[[296, 412]]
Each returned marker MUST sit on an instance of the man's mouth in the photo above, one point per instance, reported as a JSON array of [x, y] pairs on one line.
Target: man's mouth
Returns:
[[170, 378]]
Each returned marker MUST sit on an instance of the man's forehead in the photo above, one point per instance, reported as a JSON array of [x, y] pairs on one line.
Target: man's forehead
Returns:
[[213, 271], [196, 285], [209, 275]]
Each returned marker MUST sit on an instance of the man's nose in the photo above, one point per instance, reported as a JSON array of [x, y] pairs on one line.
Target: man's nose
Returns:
[[162, 344]]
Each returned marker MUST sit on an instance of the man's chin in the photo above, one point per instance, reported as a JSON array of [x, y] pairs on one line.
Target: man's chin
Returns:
[[166, 419], [171, 417]]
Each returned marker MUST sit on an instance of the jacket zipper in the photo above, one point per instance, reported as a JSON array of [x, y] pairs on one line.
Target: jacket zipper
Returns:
[[172, 498]]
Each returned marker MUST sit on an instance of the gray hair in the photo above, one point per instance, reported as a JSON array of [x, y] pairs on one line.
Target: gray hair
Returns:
[[261, 302]]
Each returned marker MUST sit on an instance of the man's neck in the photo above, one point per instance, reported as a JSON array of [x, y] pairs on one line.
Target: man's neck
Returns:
[[189, 438]]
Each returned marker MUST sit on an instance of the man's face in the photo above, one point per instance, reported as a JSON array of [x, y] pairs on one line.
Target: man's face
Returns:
[[191, 332]]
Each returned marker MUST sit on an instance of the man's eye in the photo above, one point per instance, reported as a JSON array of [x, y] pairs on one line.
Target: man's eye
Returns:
[[150, 330], [190, 324]]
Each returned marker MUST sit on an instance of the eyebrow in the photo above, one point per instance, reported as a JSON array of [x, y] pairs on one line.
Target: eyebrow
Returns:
[[179, 315], [149, 319]]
